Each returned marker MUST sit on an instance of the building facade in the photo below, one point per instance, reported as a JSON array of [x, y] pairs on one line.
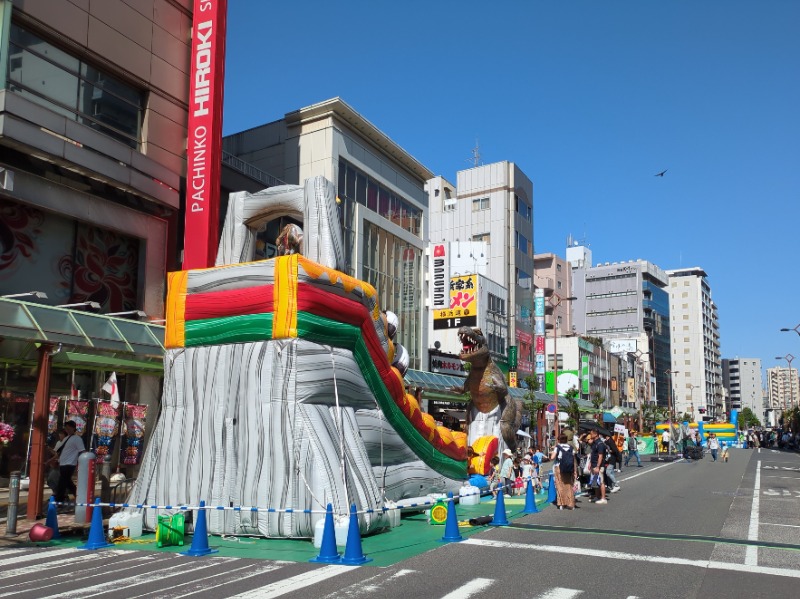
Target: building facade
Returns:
[[620, 302], [783, 388], [696, 360], [383, 202], [742, 378], [493, 204]]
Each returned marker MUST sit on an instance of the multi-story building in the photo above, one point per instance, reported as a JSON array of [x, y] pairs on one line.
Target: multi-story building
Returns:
[[554, 275], [783, 388], [382, 190], [626, 303], [742, 378], [494, 204], [696, 363]]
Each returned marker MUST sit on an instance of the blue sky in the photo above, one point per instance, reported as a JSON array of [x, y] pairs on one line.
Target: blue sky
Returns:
[[591, 99]]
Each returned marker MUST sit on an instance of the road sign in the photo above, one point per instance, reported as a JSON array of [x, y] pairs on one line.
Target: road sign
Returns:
[[552, 408]]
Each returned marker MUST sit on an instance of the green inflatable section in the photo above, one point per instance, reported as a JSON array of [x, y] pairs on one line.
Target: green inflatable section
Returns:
[[258, 327]]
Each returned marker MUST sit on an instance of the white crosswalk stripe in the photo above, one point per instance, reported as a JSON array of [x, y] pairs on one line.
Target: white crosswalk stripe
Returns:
[[476, 585], [559, 593]]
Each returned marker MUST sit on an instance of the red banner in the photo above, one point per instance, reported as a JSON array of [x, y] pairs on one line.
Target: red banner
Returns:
[[204, 147]]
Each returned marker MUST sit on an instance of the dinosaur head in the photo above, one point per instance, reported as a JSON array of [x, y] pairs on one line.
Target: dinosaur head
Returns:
[[473, 346]]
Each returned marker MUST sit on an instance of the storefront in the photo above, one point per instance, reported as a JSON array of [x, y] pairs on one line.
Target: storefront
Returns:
[[55, 362]]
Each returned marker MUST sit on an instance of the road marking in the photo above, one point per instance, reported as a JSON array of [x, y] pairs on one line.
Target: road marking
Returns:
[[559, 593], [751, 554], [789, 477], [288, 585], [774, 524], [648, 471], [468, 590], [34, 556], [637, 557]]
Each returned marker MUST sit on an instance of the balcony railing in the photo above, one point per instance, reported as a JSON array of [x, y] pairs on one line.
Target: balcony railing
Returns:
[[251, 171]]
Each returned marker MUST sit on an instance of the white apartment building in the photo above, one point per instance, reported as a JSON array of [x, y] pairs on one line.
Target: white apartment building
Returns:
[[694, 339], [493, 204], [783, 388], [742, 378]]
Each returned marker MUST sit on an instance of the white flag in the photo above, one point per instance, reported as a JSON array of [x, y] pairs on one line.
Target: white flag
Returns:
[[111, 388]]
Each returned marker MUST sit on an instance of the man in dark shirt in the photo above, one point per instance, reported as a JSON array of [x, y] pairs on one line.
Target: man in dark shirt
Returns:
[[596, 460]]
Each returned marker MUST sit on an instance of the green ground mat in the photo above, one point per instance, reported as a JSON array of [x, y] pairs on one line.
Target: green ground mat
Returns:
[[413, 537]]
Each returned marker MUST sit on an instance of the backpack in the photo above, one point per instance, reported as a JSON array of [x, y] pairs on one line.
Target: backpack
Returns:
[[566, 460]]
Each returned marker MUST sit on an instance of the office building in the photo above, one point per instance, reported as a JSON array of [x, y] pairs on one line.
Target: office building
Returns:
[[783, 388], [626, 304]]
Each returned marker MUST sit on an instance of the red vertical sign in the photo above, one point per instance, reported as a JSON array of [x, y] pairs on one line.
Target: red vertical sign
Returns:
[[204, 147]]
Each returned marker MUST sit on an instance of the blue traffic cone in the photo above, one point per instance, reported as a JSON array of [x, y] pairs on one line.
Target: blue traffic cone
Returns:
[[200, 536], [327, 549], [52, 518], [353, 555], [530, 499], [499, 518], [97, 540], [451, 533], [551, 488]]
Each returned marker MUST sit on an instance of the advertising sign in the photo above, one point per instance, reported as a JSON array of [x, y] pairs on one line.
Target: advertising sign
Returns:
[[585, 375], [439, 269], [463, 308], [512, 357], [512, 378], [447, 365], [204, 144]]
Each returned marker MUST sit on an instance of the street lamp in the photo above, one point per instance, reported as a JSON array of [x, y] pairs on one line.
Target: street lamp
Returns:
[[36, 294], [669, 374], [795, 329], [555, 300], [691, 396], [92, 305], [788, 358]]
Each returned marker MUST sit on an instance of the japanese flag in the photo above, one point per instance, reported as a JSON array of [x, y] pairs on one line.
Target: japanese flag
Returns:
[[111, 388]]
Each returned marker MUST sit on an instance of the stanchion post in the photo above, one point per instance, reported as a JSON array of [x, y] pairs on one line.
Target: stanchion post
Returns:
[[13, 504]]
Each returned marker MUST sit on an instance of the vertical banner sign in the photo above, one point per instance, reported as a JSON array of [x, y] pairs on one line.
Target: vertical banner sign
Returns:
[[439, 271], [204, 144], [539, 338], [585, 375], [512, 365]]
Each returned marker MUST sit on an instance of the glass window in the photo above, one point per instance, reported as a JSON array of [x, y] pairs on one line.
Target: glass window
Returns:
[[61, 82], [480, 204]]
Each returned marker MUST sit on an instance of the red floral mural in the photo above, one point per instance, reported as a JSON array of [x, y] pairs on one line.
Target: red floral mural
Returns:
[[104, 269], [20, 225]]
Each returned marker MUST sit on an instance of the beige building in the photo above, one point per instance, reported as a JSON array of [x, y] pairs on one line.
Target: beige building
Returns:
[[383, 200], [783, 388]]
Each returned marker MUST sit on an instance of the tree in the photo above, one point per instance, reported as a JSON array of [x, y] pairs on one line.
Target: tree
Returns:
[[747, 419], [597, 400], [573, 409]]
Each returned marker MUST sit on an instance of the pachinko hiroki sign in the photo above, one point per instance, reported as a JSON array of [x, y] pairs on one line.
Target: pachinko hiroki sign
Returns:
[[463, 309], [204, 144]]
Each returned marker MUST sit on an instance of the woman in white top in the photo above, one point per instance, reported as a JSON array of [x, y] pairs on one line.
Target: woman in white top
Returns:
[[713, 445]]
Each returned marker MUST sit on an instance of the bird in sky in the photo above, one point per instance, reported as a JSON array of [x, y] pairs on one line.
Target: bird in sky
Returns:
[[661, 174]]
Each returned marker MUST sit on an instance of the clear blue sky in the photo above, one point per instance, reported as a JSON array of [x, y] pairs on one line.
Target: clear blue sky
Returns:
[[590, 99]]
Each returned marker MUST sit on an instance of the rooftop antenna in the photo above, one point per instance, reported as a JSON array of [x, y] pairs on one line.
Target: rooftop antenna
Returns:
[[476, 154]]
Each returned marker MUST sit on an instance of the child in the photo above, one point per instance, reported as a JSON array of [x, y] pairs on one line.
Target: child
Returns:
[[724, 455], [494, 476]]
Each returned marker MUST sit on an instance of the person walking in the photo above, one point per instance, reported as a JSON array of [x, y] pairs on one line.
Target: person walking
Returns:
[[564, 468], [713, 445], [633, 449], [67, 461], [596, 460]]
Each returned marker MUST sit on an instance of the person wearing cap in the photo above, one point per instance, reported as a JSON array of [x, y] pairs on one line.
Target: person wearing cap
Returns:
[[67, 461], [507, 472]]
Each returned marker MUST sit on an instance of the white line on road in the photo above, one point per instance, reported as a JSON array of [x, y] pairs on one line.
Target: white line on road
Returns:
[[774, 524], [288, 585], [559, 593], [751, 555], [789, 477], [648, 471], [34, 556], [637, 557], [468, 590]]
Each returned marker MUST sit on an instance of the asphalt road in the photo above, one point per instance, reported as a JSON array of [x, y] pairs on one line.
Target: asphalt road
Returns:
[[685, 530]]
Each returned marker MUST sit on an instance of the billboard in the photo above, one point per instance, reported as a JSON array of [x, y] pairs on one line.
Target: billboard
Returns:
[[439, 269], [463, 306]]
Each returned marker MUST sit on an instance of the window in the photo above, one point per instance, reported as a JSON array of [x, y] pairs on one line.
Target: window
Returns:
[[521, 242], [63, 83], [523, 209], [484, 237], [479, 204]]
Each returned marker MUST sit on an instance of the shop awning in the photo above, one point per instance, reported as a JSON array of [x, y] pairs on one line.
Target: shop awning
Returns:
[[89, 341]]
